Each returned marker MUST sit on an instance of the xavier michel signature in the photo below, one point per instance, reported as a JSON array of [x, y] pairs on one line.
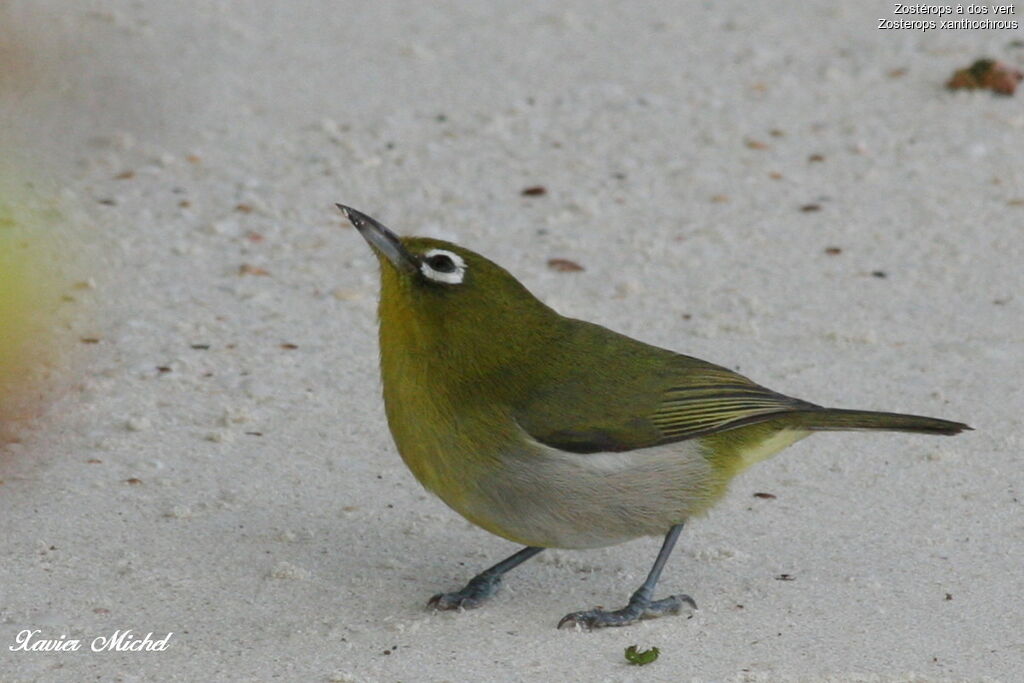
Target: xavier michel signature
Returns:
[[28, 640]]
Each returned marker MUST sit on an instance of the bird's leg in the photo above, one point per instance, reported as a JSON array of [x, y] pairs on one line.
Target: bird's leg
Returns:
[[640, 606], [483, 585]]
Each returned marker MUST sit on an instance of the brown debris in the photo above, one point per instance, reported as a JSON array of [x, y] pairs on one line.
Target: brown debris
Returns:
[[808, 208], [768, 496], [249, 269], [534, 191], [987, 74], [564, 265], [833, 251]]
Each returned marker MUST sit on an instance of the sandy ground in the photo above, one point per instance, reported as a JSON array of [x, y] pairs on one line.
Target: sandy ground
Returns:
[[220, 468]]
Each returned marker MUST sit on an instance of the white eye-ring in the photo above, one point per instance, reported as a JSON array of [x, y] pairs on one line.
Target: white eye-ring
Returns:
[[441, 265]]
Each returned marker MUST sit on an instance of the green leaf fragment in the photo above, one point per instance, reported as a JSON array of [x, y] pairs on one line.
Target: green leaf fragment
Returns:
[[641, 657]]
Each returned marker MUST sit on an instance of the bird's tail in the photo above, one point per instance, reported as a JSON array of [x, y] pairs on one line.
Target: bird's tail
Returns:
[[836, 419]]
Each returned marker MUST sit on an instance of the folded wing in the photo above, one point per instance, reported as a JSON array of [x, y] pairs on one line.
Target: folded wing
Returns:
[[619, 394]]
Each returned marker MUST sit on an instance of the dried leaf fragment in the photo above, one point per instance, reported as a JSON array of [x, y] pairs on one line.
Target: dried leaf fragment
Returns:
[[249, 269], [564, 265], [987, 74]]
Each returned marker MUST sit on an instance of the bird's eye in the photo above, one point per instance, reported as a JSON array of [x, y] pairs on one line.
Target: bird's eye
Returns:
[[441, 263]]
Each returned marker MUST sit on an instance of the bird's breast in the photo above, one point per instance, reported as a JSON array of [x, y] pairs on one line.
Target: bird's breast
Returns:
[[548, 497]]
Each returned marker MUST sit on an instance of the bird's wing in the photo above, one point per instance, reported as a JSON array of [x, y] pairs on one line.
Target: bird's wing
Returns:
[[620, 394]]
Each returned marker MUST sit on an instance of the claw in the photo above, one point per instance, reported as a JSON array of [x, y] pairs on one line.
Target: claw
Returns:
[[474, 594], [436, 603], [630, 614], [579, 619], [450, 601]]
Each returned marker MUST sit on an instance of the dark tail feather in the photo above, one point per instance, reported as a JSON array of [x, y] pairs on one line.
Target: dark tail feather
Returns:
[[836, 419]]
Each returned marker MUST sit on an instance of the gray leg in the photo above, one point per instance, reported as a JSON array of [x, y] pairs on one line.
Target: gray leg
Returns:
[[483, 585], [640, 606]]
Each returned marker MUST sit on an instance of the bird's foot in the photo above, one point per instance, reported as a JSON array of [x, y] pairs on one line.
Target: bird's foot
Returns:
[[473, 594], [630, 614]]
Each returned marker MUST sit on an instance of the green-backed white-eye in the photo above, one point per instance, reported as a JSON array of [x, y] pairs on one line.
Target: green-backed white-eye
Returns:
[[558, 433]]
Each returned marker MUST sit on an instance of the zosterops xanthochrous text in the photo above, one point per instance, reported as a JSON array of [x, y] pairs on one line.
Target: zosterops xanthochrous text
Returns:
[[558, 433]]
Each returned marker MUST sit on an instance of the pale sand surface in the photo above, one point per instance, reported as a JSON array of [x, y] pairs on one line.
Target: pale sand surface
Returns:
[[272, 527]]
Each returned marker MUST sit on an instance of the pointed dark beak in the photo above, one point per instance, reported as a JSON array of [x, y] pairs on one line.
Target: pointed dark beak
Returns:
[[381, 239]]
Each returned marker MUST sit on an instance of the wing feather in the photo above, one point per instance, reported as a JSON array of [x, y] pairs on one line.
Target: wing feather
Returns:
[[625, 394]]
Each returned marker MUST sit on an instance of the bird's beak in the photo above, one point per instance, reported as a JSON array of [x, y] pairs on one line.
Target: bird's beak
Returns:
[[381, 239]]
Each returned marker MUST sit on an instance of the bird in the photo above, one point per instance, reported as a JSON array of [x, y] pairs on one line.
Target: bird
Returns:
[[553, 432]]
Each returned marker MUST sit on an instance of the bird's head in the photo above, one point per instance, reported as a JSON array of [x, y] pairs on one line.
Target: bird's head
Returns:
[[444, 299]]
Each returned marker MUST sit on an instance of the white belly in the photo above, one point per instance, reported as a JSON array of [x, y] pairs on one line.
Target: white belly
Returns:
[[553, 498]]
